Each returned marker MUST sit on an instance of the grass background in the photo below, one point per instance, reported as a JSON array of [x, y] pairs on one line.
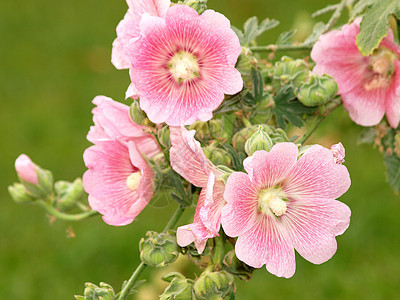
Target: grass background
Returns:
[[54, 58]]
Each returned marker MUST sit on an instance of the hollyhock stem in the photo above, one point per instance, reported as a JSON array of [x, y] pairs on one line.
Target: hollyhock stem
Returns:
[[274, 48], [131, 282], [218, 251], [64, 216], [335, 16]]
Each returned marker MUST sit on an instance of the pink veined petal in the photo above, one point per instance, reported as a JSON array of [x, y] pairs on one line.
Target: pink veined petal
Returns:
[[265, 243], [132, 92], [210, 212], [312, 225], [194, 232], [316, 175], [393, 98], [336, 54], [238, 215], [267, 169], [26, 169], [187, 157]]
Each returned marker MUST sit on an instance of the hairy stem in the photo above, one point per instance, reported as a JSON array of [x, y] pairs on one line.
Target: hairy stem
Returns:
[[335, 16], [274, 48], [66, 217], [131, 282]]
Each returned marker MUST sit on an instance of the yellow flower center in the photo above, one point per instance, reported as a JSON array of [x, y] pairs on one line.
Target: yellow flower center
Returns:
[[381, 64], [183, 66], [271, 201], [133, 180]]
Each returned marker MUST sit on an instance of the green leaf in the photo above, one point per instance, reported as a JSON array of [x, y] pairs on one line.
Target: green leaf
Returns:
[[284, 37], [359, 8], [374, 25], [287, 109], [318, 29], [392, 163], [252, 30]]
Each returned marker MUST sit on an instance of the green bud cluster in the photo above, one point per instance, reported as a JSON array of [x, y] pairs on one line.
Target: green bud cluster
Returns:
[[68, 194], [19, 194], [317, 90], [260, 140], [217, 155], [94, 292], [158, 249], [214, 285], [180, 288], [289, 71]]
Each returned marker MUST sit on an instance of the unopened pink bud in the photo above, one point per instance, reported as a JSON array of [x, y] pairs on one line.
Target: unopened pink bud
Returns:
[[26, 169]]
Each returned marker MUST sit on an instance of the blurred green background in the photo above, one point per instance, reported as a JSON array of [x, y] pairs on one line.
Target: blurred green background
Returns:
[[54, 58]]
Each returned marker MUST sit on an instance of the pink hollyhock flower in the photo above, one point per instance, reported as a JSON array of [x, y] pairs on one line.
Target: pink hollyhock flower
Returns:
[[26, 169], [338, 153], [119, 180], [188, 159], [369, 85], [182, 65], [128, 28], [286, 203], [112, 121]]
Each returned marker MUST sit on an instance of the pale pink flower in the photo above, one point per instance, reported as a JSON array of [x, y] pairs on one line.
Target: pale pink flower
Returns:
[[26, 169], [112, 121], [188, 159], [338, 153], [182, 65], [368, 85], [286, 203], [128, 28], [119, 180]]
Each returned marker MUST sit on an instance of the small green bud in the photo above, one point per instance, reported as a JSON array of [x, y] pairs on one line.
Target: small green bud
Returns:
[[137, 115], [163, 136], [258, 141], [236, 267], [217, 155], [158, 249], [18, 193], [245, 62], [43, 188], [180, 288], [214, 285], [199, 5], [202, 131], [94, 292], [69, 195], [289, 71], [318, 90], [278, 135]]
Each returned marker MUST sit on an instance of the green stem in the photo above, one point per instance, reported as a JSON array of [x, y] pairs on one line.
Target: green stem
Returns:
[[274, 48], [335, 16], [218, 251], [67, 217], [131, 282]]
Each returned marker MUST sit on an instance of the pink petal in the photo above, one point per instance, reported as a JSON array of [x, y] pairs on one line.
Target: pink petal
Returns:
[[316, 175], [238, 214], [26, 169], [268, 169], [312, 225], [265, 243], [196, 233], [393, 99], [187, 158]]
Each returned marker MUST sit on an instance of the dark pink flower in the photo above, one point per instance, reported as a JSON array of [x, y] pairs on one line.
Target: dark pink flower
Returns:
[[26, 169], [369, 85], [184, 64], [188, 159], [285, 203]]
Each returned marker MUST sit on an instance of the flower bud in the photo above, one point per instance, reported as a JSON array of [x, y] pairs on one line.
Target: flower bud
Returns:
[[68, 194], [214, 285], [258, 141], [137, 115], [289, 71], [240, 138], [94, 292], [245, 62], [318, 90], [199, 5], [158, 249], [163, 136], [202, 131], [180, 288], [217, 155], [236, 267], [38, 182], [18, 193]]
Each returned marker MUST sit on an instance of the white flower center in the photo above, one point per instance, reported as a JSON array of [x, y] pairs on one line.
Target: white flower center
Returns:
[[382, 66], [183, 66], [133, 180], [271, 201]]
